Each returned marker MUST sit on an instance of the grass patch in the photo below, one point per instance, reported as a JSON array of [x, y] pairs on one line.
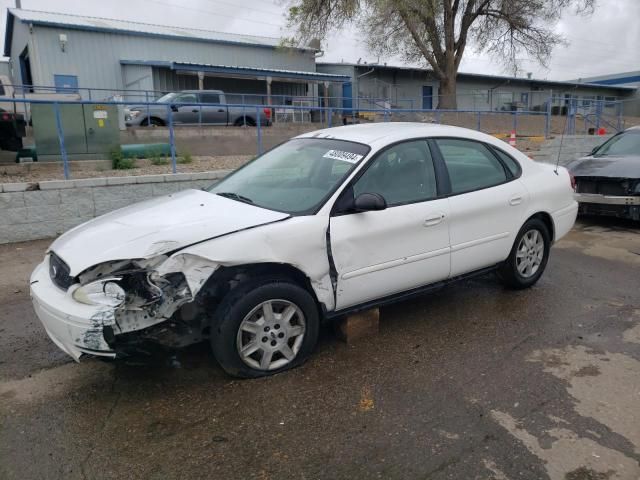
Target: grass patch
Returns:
[[157, 158], [185, 158], [118, 162]]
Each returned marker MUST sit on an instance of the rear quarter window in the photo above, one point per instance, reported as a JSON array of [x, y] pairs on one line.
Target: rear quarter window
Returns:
[[512, 164]]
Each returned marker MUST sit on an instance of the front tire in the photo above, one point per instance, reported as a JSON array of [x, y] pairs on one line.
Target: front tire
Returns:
[[528, 257], [264, 327]]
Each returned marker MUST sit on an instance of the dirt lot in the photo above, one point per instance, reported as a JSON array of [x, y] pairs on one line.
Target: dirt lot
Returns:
[[473, 382]]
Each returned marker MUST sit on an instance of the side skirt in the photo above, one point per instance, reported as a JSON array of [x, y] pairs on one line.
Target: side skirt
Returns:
[[399, 297]]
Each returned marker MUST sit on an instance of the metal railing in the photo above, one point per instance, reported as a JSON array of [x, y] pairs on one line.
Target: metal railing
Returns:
[[330, 116]]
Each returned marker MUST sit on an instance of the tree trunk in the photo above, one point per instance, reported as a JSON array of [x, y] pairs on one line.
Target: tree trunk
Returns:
[[447, 93]]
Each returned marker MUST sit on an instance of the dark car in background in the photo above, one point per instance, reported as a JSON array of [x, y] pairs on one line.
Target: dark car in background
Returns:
[[12, 130], [608, 179]]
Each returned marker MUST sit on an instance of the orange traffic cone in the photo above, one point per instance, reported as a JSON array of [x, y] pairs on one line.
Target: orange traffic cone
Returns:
[[512, 138]]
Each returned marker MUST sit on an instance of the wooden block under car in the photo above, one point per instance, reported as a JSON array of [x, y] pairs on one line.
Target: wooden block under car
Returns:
[[358, 325]]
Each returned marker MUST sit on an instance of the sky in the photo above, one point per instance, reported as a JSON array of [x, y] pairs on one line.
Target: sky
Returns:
[[606, 42]]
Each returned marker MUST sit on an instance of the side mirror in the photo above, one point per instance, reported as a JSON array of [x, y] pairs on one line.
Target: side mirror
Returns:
[[366, 202], [174, 108]]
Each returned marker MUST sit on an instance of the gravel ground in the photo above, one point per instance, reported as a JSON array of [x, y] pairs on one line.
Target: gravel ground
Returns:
[[93, 169]]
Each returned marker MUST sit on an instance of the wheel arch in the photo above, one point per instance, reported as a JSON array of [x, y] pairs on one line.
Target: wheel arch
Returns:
[[152, 118], [226, 279], [547, 219], [240, 120]]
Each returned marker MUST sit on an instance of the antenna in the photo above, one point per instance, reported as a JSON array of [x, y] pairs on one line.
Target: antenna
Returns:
[[566, 119], [561, 140]]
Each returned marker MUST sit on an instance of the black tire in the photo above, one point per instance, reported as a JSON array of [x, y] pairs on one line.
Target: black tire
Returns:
[[12, 144], [240, 122], [239, 303], [156, 122], [509, 273]]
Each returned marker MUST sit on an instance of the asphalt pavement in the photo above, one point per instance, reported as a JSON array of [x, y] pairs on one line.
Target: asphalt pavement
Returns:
[[470, 382]]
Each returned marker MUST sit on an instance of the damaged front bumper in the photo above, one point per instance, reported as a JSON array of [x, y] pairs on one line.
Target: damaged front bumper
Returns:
[[74, 327]]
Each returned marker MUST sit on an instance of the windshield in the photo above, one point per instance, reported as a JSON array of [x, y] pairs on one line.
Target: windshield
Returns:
[[295, 177], [167, 97], [626, 143]]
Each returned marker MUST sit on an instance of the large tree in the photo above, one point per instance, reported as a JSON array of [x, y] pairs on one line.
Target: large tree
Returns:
[[437, 32]]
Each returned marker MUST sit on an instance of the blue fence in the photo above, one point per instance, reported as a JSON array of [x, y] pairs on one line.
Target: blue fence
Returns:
[[332, 116]]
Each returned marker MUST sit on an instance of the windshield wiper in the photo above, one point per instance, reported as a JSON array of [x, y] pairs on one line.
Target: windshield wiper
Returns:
[[235, 196]]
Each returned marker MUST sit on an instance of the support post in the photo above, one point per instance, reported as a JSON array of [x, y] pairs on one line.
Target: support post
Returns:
[[146, 96], [259, 130], [547, 118], [63, 149], [200, 80], [326, 96], [172, 140]]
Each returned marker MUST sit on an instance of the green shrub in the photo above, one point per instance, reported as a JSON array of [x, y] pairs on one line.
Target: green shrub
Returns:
[[118, 162], [157, 158], [185, 158]]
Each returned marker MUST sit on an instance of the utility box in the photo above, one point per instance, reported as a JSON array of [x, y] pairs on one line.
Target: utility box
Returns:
[[90, 131]]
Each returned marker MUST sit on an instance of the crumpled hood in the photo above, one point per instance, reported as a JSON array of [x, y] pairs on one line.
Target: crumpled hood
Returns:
[[611, 167], [157, 226]]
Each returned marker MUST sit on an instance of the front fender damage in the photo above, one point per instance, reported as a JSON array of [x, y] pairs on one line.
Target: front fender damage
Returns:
[[152, 314]]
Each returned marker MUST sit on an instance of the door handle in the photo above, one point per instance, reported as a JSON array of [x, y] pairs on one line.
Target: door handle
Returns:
[[195, 111], [221, 110], [517, 200], [434, 220]]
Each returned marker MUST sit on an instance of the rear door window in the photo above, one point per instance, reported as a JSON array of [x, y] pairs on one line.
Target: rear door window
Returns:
[[470, 164], [209, 98]]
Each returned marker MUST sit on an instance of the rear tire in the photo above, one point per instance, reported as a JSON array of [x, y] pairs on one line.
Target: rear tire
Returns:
[[240, 122], [155, 122], [264, 327], [528, 257]]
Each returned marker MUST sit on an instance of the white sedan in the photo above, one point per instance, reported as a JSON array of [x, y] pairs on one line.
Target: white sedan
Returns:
[[328, 223]]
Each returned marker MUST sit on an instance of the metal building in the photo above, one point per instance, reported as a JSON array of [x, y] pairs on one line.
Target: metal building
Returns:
[[372, 85], [70, 51], [624, 79]]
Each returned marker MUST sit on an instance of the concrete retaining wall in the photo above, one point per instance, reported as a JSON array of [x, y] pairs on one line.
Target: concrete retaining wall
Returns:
[[29, 211]]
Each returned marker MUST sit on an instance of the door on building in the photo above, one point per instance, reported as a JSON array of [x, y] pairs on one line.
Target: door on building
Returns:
[[213, 114], [25, 69], [347, 98], [427, 97], [66, 83]]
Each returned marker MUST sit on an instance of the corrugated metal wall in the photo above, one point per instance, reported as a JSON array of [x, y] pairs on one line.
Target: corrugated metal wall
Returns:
[[94, 57], [167, 80], [21, 39]]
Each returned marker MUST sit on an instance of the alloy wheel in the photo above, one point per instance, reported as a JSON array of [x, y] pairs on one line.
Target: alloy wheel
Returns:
[[270, 335], [530, 253]]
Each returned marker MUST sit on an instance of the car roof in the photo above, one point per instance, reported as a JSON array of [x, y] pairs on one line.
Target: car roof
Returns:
[[389, 132]]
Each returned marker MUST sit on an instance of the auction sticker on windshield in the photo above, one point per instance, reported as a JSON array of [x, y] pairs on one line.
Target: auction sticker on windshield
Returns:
[[342, 155]]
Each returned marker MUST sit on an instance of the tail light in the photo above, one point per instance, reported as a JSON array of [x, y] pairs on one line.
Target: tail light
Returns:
[[6, 116], [572, 179], [267, 113]]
